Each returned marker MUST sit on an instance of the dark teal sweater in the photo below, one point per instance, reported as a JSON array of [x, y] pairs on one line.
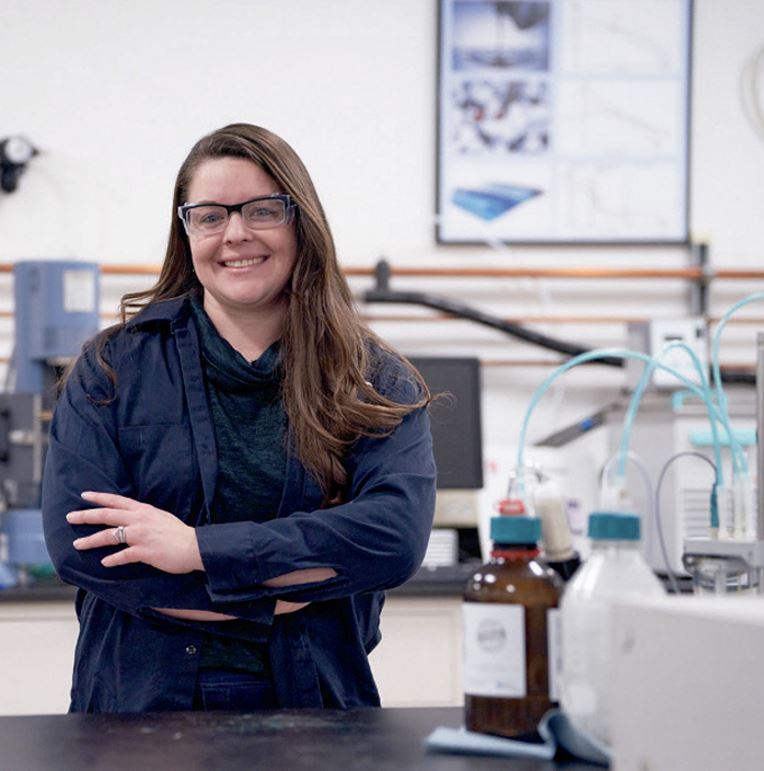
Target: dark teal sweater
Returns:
[[250, 431]]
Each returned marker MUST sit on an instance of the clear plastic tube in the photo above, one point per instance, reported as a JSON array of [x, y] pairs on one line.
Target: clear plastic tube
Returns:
[[715, 372], [643, 473], [599, 353], [639, 393], [657, 508]]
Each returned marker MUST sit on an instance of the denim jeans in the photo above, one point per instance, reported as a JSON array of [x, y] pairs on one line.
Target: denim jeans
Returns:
[[220, 689]]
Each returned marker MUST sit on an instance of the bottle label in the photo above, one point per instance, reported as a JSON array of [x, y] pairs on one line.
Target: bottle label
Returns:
[[494, 649], [554, 650]]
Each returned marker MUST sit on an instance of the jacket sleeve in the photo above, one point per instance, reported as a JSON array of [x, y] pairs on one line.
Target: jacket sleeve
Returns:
[[375, 541], [83, 454]]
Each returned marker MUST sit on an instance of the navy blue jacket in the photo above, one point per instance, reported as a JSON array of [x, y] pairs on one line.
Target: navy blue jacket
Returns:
[[151, 438]]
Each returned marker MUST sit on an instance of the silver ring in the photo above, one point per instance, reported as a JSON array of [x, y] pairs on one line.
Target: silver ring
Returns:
[[119, 535]]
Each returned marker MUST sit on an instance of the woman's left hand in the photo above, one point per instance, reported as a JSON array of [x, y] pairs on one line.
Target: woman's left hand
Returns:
[[151, 535]]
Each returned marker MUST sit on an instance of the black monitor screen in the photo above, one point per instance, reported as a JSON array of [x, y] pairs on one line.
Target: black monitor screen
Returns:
[[455, 419]]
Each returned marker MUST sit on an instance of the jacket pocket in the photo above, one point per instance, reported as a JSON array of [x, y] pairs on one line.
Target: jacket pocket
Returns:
[[162, 462]]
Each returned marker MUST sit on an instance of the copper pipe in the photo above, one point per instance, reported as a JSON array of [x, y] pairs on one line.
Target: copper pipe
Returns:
[[110, 316], [737, 275], [127, 270], [131, 270], [530, 319], [690, 273], [434, 272], [749, 320], [606, 273]]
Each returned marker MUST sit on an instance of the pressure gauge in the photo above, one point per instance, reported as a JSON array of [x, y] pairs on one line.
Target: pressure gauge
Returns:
[[15, 153], [16, 150]]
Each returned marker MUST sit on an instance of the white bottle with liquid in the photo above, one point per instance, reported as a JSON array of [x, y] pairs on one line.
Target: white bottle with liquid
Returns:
[[615, 569], [559, 552]]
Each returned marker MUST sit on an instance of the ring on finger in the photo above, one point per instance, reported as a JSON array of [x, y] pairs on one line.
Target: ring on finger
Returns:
[[119, 535]]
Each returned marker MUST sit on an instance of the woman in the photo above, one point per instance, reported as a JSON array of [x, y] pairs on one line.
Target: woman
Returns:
[[239, 469]]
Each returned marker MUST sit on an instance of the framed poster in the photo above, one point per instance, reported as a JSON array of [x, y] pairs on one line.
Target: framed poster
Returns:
[[563, 121]]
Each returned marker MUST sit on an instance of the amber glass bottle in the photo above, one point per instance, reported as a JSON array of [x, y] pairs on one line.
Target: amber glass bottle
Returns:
[[510, 625]]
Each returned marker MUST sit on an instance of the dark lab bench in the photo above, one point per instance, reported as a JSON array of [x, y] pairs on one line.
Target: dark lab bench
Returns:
[[439, 582], [443, 581], [44, 591], [379, 739]]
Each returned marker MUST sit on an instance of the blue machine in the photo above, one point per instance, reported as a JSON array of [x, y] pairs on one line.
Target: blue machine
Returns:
[[56, 310], [57, 306]]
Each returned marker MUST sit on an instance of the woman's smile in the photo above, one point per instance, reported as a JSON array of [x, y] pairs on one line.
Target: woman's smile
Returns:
[[243, 262]]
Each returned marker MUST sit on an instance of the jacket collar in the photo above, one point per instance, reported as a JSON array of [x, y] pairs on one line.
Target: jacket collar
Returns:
[[171, 311]]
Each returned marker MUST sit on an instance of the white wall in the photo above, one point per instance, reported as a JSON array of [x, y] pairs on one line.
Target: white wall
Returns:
[[114, 94]]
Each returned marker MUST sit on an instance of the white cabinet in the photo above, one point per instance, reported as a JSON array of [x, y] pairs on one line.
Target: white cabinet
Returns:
[[36, 655], [419, 661], [417, 664]]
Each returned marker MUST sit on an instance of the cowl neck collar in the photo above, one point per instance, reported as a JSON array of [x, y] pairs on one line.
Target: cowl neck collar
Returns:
[[225, 365]]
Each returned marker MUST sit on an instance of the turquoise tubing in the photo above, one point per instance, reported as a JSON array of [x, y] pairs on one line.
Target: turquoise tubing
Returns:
[[599, 353], [716, 374], [636, 399]]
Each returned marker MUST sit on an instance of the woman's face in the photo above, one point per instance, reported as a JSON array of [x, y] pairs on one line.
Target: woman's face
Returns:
[[242, 270]]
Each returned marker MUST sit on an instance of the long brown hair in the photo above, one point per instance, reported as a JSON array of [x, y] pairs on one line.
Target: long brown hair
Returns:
[[327, 353]]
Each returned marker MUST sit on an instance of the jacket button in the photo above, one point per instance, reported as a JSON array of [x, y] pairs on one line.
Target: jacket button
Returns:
[[191, 650]]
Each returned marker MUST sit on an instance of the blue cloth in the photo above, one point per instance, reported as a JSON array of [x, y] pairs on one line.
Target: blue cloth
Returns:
[[554, 728], [152, 439]]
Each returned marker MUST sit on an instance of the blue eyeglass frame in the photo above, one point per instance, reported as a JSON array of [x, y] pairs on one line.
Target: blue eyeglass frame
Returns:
[[237, 207]]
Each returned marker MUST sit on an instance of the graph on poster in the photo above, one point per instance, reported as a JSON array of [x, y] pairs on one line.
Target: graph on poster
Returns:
[[563, 120]]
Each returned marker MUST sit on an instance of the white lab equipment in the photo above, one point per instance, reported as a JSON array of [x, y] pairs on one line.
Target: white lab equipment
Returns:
[[687, 675], [652, 336], [666, 426], [732, 563]]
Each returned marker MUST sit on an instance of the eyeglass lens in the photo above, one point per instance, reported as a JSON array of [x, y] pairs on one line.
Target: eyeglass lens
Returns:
[[258, 215]]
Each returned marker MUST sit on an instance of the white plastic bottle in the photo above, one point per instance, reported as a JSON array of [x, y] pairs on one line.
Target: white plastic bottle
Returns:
[[614, 569]]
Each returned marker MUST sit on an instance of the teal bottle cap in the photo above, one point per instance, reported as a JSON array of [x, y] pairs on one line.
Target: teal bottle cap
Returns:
[[613, 526], [515, 529]]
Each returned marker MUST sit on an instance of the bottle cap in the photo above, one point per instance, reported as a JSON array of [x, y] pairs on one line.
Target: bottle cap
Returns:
[[515, 529], [613, 526], [511, 507]]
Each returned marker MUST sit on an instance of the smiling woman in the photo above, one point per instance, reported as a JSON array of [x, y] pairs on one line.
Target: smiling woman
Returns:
[[255, 464], [244, 269]]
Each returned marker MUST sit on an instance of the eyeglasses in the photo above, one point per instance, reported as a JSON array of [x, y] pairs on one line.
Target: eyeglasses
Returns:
[[261, 213]]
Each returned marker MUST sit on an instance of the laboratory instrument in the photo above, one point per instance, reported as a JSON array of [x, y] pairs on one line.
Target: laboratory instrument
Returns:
[[15, 154], [734, 560], [56, 310], [686, 675]]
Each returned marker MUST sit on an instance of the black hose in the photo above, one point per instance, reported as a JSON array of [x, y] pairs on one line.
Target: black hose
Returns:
[[383, 294]]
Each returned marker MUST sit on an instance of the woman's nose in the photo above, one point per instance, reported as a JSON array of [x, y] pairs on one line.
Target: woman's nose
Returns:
[[235, 229]]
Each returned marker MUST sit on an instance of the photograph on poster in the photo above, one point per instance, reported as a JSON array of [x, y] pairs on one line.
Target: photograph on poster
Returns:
[[563, 121]]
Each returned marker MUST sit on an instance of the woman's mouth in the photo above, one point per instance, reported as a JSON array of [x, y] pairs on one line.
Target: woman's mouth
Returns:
[[243, 262]]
